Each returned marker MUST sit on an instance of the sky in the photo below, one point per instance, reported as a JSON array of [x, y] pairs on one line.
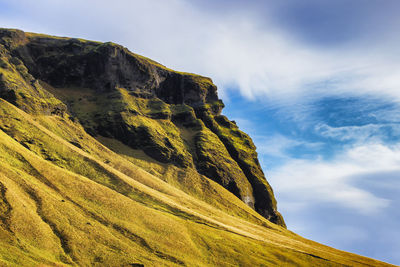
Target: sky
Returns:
[[314, 82]]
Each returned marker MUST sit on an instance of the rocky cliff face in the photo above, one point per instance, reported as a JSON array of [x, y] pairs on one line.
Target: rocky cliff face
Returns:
[[173, 117]]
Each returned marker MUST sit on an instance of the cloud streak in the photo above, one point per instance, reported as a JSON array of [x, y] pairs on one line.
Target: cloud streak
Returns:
[[361, 134], [334, 181]]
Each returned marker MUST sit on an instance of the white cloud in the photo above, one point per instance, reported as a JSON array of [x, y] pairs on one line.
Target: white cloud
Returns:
[[335, 181], [277, 145], [360, 134]]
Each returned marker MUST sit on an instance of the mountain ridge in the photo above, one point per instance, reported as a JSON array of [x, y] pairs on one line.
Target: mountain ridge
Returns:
[[129, 171]]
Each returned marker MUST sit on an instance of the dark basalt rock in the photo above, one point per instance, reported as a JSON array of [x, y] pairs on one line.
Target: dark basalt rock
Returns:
[[115, 93], [105, 66]]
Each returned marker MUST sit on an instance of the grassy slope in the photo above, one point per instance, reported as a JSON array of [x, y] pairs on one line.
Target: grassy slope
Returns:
[[69, 199], [66, 199]]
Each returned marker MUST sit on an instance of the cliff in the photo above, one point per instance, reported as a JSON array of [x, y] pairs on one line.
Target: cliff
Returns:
[[173, 117], [108, 158]]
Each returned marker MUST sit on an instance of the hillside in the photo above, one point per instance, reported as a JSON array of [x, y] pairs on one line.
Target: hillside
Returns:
[[111, 159]]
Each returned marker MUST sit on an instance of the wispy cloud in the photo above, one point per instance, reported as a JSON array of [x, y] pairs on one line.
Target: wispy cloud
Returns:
[[334, 181], [361, 134], [279, 145]]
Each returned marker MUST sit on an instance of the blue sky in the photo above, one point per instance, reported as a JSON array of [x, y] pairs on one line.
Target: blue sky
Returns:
[[314, 82]]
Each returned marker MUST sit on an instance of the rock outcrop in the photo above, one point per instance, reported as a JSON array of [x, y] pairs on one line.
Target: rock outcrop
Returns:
[[174, 117]]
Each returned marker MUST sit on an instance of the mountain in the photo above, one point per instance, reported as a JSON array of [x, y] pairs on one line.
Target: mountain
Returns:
[[111, 159]]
